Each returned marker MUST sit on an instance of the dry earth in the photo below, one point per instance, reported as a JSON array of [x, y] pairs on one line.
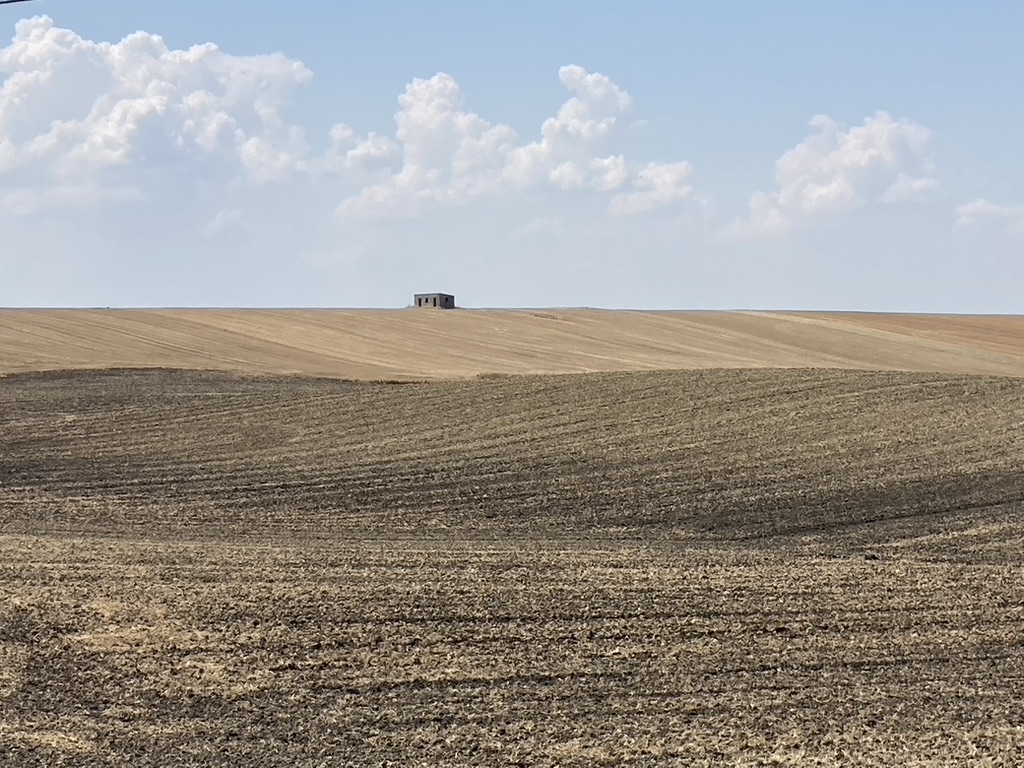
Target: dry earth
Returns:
[[418, 344], [748, 567]]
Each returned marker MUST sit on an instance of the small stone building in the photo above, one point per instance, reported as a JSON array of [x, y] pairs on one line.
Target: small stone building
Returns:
[[439, 300]]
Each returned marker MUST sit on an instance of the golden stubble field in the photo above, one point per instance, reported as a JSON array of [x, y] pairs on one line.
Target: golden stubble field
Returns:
[[414, 344], [746, 567]]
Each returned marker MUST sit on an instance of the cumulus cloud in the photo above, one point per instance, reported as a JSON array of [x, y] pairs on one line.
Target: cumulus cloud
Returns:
[[73, 110], [440, 154], [835, 169], [583, 124], [655, 185], [85, 122], [443, 154], [907, 188], [981, 211]]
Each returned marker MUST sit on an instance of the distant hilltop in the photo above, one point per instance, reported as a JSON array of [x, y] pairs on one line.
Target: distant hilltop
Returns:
[[403, 344]]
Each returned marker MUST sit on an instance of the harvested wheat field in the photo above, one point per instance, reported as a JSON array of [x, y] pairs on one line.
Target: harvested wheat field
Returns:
[[705, 567], [428, 344]]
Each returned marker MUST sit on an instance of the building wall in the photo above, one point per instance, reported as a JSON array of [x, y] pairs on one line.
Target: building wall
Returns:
[[439, 300]]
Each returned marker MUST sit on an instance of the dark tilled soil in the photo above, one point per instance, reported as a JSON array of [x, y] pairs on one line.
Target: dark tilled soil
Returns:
[[753, 567]]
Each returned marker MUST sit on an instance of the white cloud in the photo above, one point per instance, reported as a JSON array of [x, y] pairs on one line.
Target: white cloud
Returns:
[[907, 188], [884, 160], [264, 162], [610, 172], [583, 124], [73, 110], [981, 211], [449, 156], [83, 122], [441, 154], [568, 176], [656, 185]]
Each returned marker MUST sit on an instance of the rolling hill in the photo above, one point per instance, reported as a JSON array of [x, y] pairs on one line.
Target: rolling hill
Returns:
[[427, 344]]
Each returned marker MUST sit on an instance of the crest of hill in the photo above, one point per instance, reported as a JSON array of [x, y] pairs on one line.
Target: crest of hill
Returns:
[[429, 344]]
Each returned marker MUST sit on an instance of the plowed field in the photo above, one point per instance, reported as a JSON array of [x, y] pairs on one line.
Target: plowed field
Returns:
[[680, 568]]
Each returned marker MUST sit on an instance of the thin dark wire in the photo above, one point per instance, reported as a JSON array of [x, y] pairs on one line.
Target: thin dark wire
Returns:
[[6, 2]]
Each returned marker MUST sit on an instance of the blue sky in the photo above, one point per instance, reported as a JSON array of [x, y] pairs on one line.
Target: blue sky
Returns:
[[670, 155]]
